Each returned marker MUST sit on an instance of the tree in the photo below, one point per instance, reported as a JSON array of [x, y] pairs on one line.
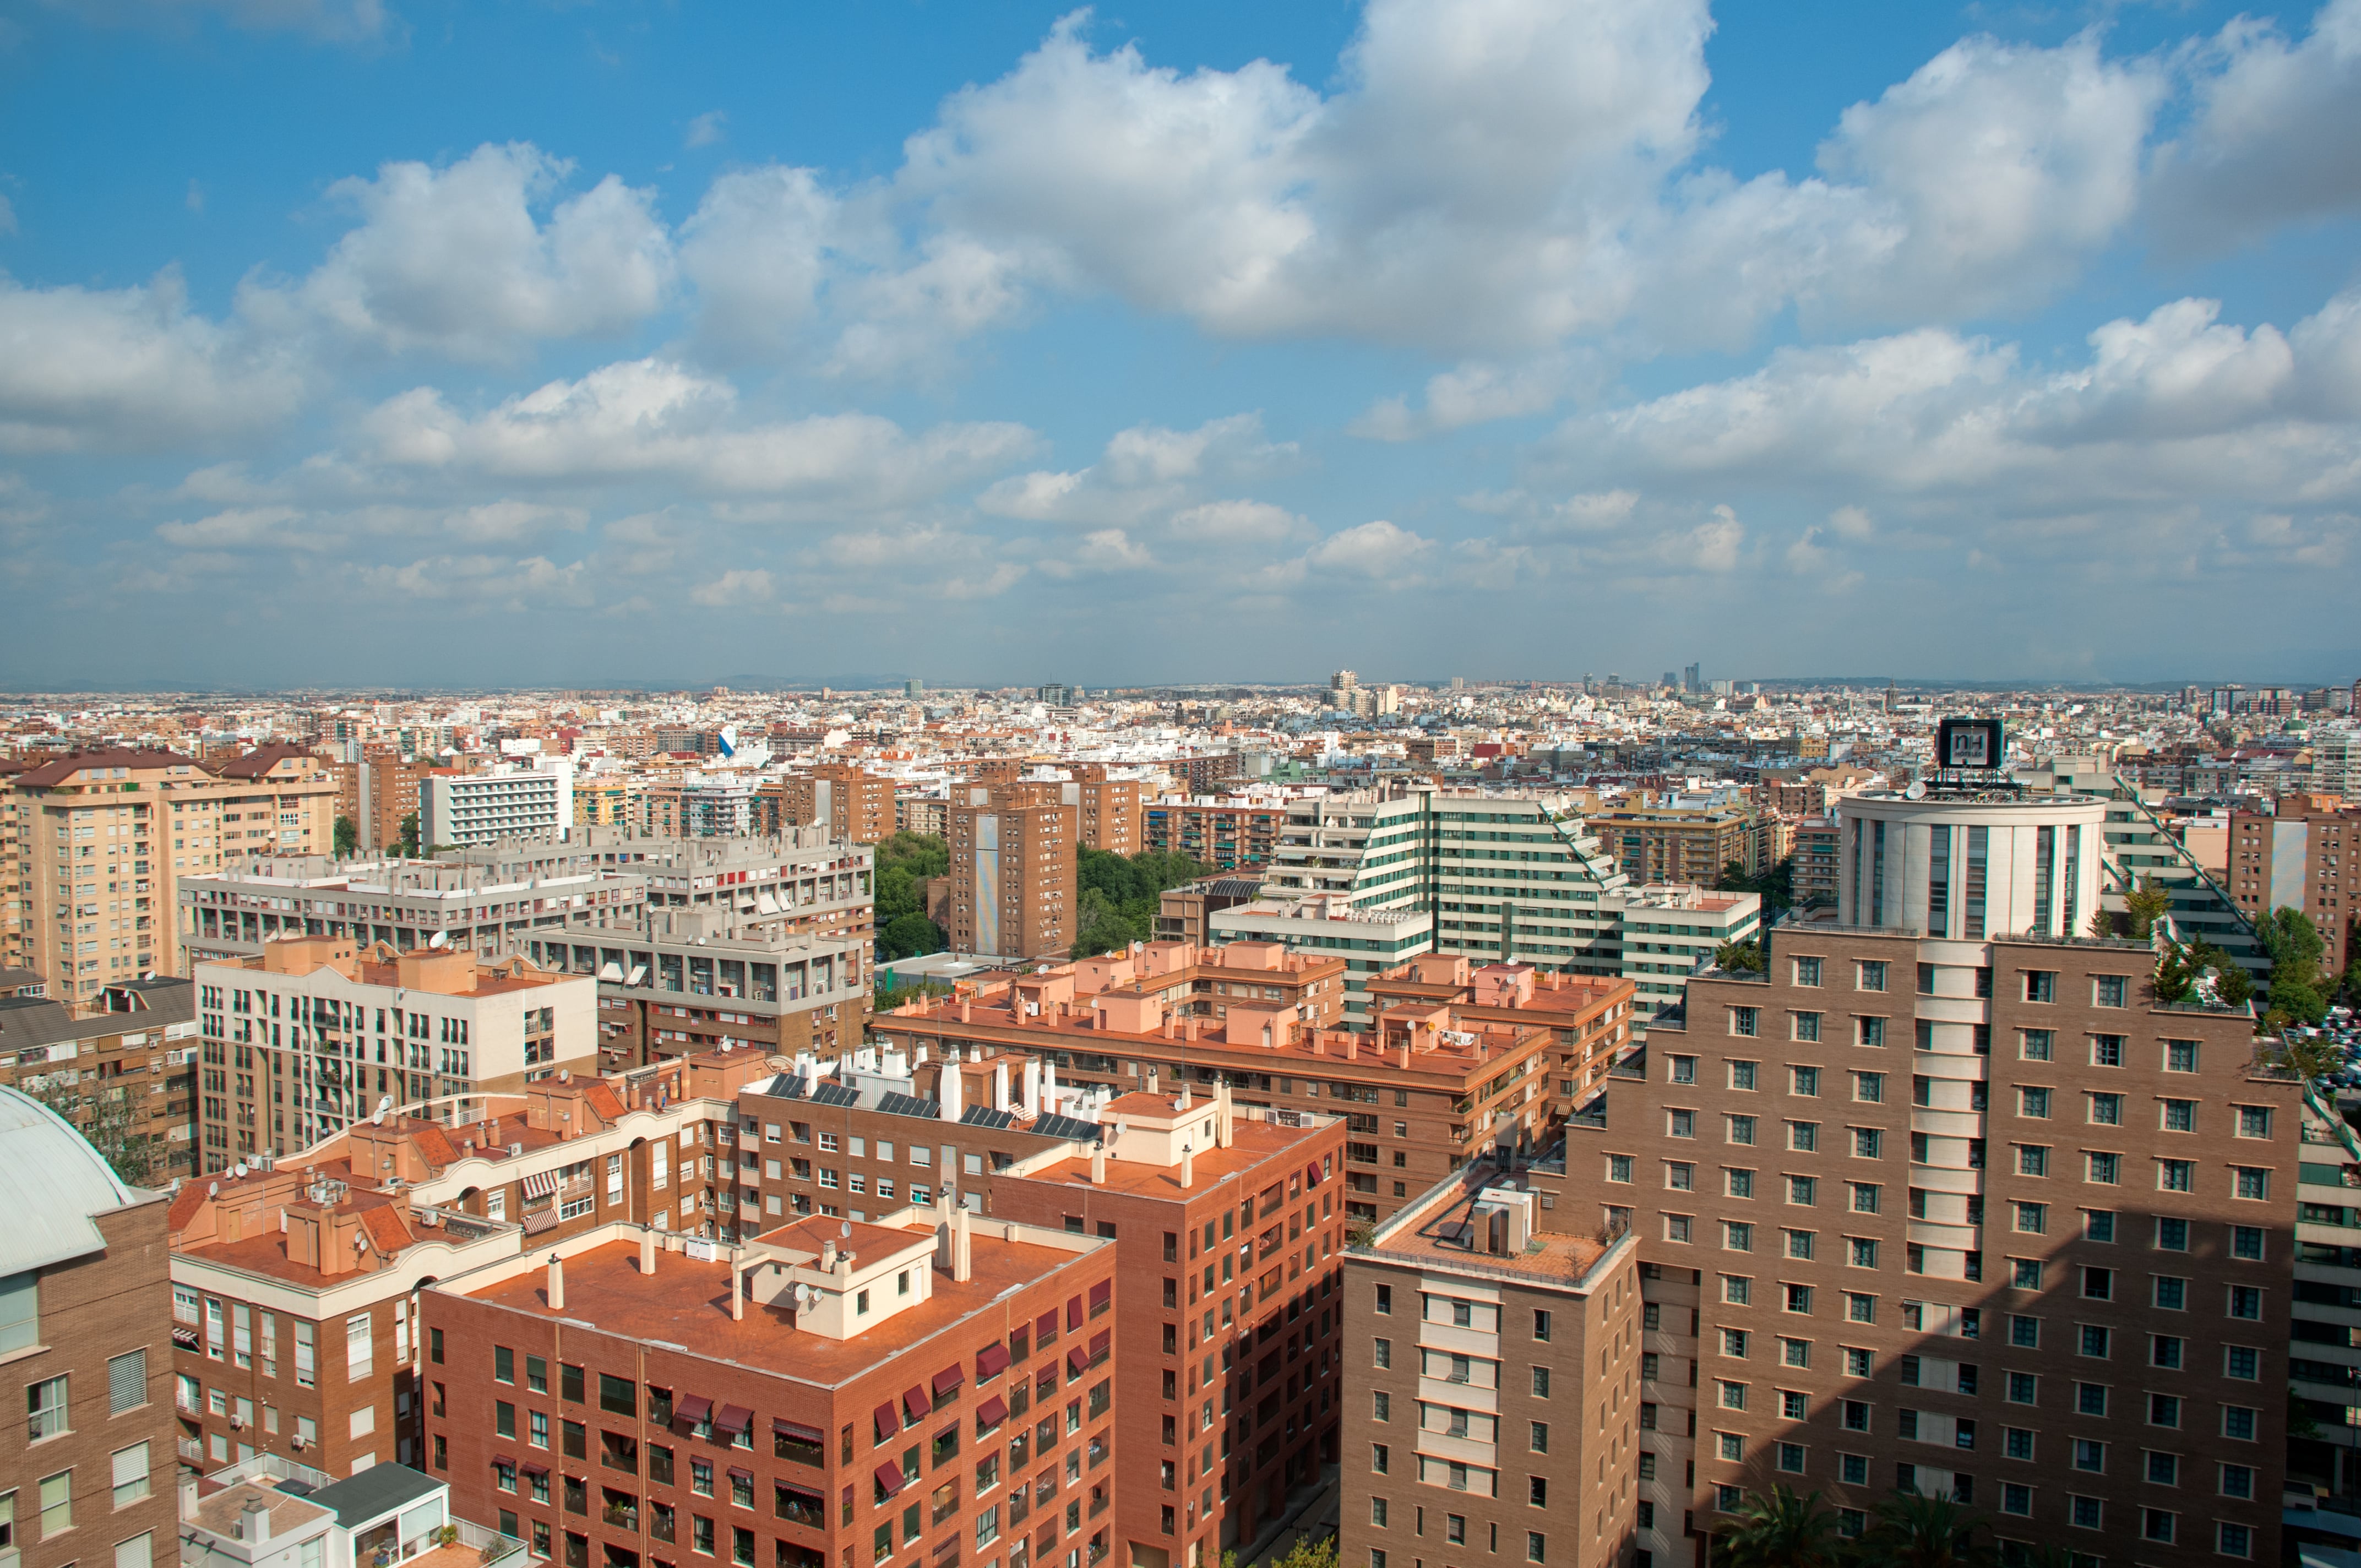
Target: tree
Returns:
[[2148, 904], [407, 841], [1776, 886], [1739, 958], [910, 935], [2307, 1057], [2295, 948], [1780, 1530], [348, 837], [1915, 1530], [906, 863], [1117, 895], [2102, 925], [2175, 982]]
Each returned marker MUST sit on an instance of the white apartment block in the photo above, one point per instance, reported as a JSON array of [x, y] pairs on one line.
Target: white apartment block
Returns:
[[506, 802]]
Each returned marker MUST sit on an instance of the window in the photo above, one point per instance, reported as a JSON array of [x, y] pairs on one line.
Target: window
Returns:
[[1383, 1352], [1867, 1143], [1618, 1168], [2181, 1056], [2176, 1176], [1869, 1031], [2095, 1341], [1680, 1070], [1871, 975], [129, 1475], [1868, 1088], [2033, 1102], [2106, 1110], [2024, 1388], [2033, 1159], [1680, 1124], [2245, 1301], [2032, 1219], [2016, 1497], [2247, 1242], [2036, 1045], [1680, 1176], [20, 1310], [1741, 1129], [2040, 985], [2024, 1332], [1860, 1309], [1865, 1197], [2233, 1541], [1804, 1026], [57, 1504], [2177, 1115], [2103, 1168], [2236, 1480], [1804, 1081], [2172, 1234], [2250, 1181], [2238, 1423], [45, 1409], [1808, 971], [1540, 1382], [2107, 1050], [127, 1381], [1804, 1137], [1803, 1190], [1860, 1252], [2242, 1362], [2108, 989]]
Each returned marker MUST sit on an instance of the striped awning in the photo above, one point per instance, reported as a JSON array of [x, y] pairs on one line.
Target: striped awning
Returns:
[[545, 1220], [540, 1183]]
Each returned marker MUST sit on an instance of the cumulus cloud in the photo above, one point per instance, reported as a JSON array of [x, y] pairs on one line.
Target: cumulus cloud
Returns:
[[459, 260], [1144, 469], [706, 128], [756, 249], [739, 584], [653, 420], [2271, 136], [131, 368], [1238, 523], [1375, 550]]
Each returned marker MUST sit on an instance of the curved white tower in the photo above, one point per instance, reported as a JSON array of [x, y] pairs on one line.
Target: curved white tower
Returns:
[[1969, 864]]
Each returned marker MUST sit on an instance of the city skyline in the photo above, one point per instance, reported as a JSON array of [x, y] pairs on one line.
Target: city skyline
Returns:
[[594, 344]]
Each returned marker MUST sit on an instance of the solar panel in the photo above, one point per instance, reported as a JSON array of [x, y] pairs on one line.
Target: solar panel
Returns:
[[786, 1086], [985, 1116], [836, 1094], [910, 1105], [1055, 1126]]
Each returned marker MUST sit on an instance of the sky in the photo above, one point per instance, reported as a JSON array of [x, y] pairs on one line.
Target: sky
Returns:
[[520, 342]]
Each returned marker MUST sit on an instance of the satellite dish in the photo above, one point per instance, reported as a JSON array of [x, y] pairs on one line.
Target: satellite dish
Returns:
[[844, 1229], [440, 939], [237, 1171], [1918, 790]]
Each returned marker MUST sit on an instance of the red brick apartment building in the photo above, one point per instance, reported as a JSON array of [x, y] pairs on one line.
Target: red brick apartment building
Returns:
[[1495, 1409], [295, 1282], [851, 802], [827, 1392], [85, 1461], [1965, 1217], [1421, 1094], [1011, 876], [2305, 855], [1589, 1016], [1225, 835]]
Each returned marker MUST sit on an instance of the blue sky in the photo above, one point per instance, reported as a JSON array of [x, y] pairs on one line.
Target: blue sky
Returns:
[[516, 343]]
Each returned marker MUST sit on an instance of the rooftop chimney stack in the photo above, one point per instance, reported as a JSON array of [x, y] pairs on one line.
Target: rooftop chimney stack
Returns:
[[647, 1252], [962, 1255], [254, 1523], [1098, 1162], [557, 1284], [953, 1093], [1188, 1166]]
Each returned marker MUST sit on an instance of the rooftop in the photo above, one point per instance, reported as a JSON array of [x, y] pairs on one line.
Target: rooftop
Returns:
[[1254, 1143], [686, 1303], [1442, 1226]]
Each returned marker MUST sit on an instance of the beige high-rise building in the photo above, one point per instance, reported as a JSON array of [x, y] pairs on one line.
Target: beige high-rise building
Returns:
[[95, 841]]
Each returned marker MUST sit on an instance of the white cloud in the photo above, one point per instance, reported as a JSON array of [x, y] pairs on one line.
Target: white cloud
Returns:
[[1376, 550], [707, 129], [2272, 133], [534, 580], [131, 368], [1237, 522], [739, 584], [655, 419], [756, 249], [1144, 469], [457, 259], [1471, 393]]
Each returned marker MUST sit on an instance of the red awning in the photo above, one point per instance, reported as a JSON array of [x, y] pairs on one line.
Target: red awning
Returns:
[[535, 1469], [887, 1422], [797, 1430], [804, 1494], [991, 1362], [949, 1378], [889, 1476], [995, 1411], [504, 1461], [1102, 1293], [915, 1404], [738, 1474], [734, 1418], [1077, 1360], [1100, 1341], [1045, 1327], [690, 1408]]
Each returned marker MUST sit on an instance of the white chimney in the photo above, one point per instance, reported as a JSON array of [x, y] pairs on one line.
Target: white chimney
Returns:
[[953, 1093], [1188, 1166], [254, 1523], [962, 1258], [1000, 1084], [1098, 1162], [1033, 1105], [557, 1284], [647, 1252]]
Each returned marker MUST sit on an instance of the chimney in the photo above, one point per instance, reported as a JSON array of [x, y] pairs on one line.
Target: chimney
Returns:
[[952, 1092], [647, 1252], [962, 1255], [1151, 1080], [254, 1523], [1186, 1100], [737, 1293], [1098, 1162], [1352, 1045], [1225, 1123], [1188, 1166], [828, 1258], [188, 1495], [1000, 1085], [1032, 1106], [557, 1284]]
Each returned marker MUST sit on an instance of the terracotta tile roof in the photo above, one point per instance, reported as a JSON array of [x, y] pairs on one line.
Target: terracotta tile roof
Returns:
[[602, 1098], [387, 1230], [73, 762], [262, 760]]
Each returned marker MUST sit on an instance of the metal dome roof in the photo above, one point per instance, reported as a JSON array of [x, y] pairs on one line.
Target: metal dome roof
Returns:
[[52, 1183]]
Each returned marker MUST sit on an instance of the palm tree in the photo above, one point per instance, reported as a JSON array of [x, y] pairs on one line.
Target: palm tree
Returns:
[[1915, 1530], [1780, 1530]]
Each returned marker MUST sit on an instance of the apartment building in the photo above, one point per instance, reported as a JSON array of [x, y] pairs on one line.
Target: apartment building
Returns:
[[86, 1464], [914, 1387], [388, 786], [1669, 933], [1668, 844], [1814, 883], [2336, 760], [849, 803], [1109, 810], [316, 1034], [122, 1075], [1225, 834], [1011, 876], [1495, 1412], [2323, 1363], [926, 813], [1421, 1091], [1590, 1018], [94, 882], [295, 1281], [1239, 1436], [1182, 912], [507, 801], [1371, 941], [2306, 855], [2039, 1265]]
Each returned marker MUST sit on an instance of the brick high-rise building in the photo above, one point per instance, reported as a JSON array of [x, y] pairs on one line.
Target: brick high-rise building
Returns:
[[2305, 855], [1011, 876], [851, 802], [86, 1459], [1663, 844], [919, 1387], [102, 838], [1967, 1215], [1493, 1397], [1111, 810], [1224, 834], [123, 1074]]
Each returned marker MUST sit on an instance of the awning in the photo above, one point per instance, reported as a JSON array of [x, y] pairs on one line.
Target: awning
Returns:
[[991, 1362], [1045, 1327], [540, 1183], [1102, 1293], [949, 1378], [734, 1419], [540, 1220], [995, 1411], [504, 1461], [1312, 1176], [887, 1422], [1099, 1342], [186, 1338], [915, 1405], [1077, 1361], [738, 1474], [804, 1494], [692, 1408], [535, 1469], [797, 1430], [889, 1476]]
